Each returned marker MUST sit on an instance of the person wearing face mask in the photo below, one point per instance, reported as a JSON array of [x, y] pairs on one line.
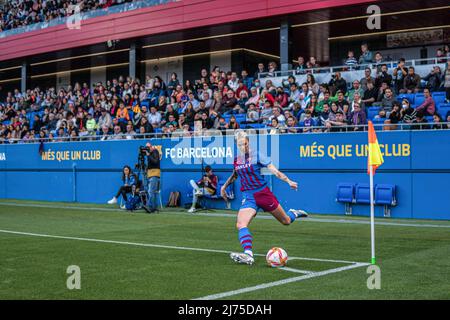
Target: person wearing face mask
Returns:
[[407, 113]]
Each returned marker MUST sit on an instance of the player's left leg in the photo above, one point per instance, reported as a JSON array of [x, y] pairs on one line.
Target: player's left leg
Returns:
[[289, 217], [267, 201]]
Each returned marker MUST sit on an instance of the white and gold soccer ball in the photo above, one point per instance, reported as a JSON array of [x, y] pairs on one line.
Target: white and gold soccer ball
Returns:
[[276, 257]]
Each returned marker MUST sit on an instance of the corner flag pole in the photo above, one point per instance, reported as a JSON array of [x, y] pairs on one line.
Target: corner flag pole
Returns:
[[372, 216], [374, 160]]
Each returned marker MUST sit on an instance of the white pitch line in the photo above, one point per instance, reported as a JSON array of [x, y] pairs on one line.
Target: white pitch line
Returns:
[[229, 215], [281, 282], [154, 245]]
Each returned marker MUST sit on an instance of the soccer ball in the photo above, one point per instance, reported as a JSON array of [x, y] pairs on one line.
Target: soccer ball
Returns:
[[276, 257]]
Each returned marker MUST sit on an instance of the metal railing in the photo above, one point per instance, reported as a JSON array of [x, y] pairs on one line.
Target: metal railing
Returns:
[[138, 4], [343, 68], [385, 127]]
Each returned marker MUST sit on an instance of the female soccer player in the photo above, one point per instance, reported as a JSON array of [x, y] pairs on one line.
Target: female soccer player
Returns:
[[256, 194]]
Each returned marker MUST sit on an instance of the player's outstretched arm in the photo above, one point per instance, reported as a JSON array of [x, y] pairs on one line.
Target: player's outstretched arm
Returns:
[[280, 175], [229, 181]]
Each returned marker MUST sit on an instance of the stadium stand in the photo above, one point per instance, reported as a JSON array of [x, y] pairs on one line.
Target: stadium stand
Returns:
[[127, 108]]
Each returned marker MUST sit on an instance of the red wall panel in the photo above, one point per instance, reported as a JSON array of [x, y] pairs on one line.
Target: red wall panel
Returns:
[[180, 15]]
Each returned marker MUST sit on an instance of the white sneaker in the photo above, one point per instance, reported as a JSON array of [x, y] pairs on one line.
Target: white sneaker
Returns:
[[228, 204], [299, 213], [191, 210], [113, 201], [241, 257], [122, 207], [198, 192]]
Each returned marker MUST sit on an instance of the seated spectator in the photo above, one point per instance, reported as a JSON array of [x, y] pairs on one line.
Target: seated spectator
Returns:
[[232, 124], [248, 82], [122, 113], [117, 134], [104, 133], [282, 98], [337, 125], [276, 113], [324, 114], [252, 114], [274, 126], [301, 65], [428, 107], [229, 103], [370, 94], [388, 100], [337, 83], [367, 77], [266, 112], [433, 79], [308, 122], [420, 123], [261, 69], [357, 118], [378, 61], [351, 61], [206, 185], [91, 125], [291, 125], [394, 117], [312, 84], [446, 80], [130, 133], [399, 73], [272, 68], [438, 122], [366, 55], [407, 113], [355, 89], [129, 180], [383, 76], [295, 95], [411, 83]]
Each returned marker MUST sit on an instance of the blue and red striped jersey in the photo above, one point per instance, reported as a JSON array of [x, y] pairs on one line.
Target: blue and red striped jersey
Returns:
[[248, 168]]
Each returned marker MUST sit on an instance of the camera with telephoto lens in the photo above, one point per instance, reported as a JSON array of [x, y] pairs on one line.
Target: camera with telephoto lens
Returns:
[[140, 165]]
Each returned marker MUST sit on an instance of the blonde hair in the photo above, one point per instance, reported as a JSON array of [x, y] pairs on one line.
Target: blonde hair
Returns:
[[240, 134]]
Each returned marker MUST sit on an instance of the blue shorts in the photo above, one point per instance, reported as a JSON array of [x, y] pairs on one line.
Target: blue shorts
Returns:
[[261, 198]]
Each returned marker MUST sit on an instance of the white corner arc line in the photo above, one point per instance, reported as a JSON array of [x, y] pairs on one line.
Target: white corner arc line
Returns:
[[152, 245], [281, 282]]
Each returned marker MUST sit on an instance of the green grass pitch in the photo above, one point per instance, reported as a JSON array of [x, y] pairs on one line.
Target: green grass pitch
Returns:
[[174, 255]]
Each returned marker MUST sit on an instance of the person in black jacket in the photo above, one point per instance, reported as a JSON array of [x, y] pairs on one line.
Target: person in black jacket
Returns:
[[153, 175]]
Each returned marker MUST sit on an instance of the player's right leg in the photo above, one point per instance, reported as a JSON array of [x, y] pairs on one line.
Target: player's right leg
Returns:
[[245, 216]]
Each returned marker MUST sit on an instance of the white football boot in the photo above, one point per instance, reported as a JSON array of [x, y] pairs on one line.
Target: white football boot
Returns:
[[241, 257], [299, 213], [191, 210], [113, 201]]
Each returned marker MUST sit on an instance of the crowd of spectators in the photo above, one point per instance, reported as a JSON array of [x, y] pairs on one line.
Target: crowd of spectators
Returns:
[[126, 108], [17, 13]]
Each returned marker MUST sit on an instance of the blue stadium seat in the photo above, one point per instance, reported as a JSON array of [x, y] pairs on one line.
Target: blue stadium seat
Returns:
[[419, 99], [145, 103], [429, 119], [439, 97], [377, 123], [362, 193], [443, 109], [372, 112], [345, 192], [385, 194], [409, 96]]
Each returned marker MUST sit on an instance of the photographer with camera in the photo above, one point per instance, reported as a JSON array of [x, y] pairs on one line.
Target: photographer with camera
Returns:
[[153, 171], [207, 184]]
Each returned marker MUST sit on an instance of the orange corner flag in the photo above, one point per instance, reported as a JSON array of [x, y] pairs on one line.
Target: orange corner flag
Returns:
[[375, 158]]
